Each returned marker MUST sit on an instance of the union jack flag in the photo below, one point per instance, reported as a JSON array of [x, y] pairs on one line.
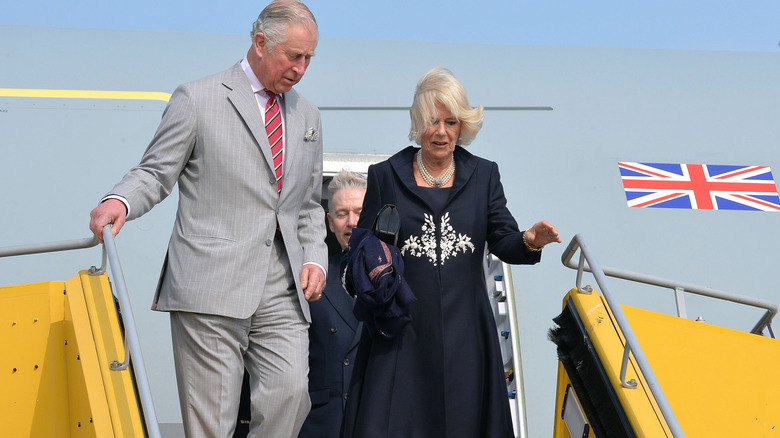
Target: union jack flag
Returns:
[[699, 186]]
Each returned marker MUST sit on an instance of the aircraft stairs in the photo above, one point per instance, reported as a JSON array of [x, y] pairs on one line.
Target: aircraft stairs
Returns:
[[629, 372], [71, 362]]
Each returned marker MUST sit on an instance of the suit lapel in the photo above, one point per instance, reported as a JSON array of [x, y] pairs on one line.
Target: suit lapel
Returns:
[[337, 296], [464, 170], [343, 304], [245, 102]]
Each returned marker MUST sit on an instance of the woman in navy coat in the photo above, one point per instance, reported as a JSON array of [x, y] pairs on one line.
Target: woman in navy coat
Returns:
[[442, 375]]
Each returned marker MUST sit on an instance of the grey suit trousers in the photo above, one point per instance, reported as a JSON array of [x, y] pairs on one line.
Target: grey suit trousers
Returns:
[[211, 351]]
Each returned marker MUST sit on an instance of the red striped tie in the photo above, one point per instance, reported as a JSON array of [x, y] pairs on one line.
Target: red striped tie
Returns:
[[273, 127]]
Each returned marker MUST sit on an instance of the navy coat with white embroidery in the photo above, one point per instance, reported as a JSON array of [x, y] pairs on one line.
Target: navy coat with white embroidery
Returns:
[[443, 374]]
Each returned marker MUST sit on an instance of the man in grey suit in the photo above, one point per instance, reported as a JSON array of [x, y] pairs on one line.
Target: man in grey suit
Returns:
[[247, 249]]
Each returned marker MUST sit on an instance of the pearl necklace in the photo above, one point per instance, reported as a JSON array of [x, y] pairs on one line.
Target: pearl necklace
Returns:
[[429, 179]]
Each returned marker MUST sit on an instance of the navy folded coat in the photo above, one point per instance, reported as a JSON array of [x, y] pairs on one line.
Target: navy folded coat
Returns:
[[375, 275]]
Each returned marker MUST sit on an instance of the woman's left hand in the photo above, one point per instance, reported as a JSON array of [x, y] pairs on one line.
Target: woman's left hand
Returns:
[[541, 234]]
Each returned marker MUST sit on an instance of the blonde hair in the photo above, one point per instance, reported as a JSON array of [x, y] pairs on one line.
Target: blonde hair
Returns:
[[439, 86]]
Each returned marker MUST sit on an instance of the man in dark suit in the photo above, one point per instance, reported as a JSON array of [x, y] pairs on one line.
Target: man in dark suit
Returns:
[[247, 249], [334, 332]]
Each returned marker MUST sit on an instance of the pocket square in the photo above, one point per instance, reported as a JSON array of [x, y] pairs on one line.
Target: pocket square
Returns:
[[310, 135]]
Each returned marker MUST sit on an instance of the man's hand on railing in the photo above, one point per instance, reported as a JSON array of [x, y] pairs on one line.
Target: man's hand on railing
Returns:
[[110, 211]]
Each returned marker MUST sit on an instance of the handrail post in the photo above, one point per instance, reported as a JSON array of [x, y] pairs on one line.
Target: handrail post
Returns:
[[679, 300], [580, 265], [764, 322], [631, 384]]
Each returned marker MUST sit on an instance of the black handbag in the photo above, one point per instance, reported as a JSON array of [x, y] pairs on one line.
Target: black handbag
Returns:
[[387, 224]]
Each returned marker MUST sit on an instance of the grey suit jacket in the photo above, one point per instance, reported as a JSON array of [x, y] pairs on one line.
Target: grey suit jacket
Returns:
[[212, 141]]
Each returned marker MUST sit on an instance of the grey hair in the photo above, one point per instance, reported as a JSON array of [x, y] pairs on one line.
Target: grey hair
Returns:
[[439, 86], [346, 180], [277, 16]]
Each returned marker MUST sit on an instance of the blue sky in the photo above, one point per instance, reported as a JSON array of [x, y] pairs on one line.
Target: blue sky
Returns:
[[750, 25]]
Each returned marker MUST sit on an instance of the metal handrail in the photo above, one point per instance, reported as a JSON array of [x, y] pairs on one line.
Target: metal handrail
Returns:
[[517, 359], [131, 335], [40, 248], [631, 341], [764, 322]]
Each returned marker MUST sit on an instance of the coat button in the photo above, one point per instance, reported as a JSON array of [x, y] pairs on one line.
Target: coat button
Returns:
[[333, 329], [345, 396], [271, 180], [268, 242], [346, 362]]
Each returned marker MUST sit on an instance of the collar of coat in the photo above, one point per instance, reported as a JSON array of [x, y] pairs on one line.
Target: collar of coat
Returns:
[[465, 164]]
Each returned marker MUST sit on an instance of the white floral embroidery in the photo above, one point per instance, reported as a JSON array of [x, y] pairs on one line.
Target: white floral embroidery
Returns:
[[425, 245]]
